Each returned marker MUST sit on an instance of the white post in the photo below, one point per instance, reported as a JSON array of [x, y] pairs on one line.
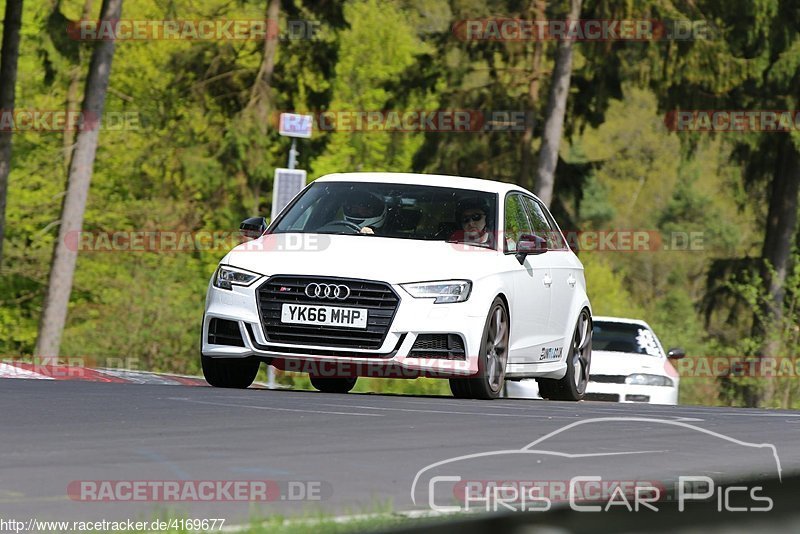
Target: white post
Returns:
[[293, 153]]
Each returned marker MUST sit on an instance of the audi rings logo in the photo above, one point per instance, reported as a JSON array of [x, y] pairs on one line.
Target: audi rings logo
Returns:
[[327, 291]]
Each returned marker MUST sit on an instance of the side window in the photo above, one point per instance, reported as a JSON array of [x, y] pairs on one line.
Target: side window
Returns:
[[559, 243], [543, 225], [516, 222]]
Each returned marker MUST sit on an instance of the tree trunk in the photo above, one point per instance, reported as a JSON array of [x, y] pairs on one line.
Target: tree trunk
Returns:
[[260, 104], [526, 177], [776, 254], [260, 94], [554, 115], [54, 312], [781, 222], [8, 82], [72, 93]]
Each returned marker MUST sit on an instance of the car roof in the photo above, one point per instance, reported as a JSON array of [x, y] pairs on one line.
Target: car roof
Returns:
[[605, 319], [438, 180]]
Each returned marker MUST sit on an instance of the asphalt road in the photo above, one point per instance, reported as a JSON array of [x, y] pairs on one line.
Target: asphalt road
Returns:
[[354, 453]]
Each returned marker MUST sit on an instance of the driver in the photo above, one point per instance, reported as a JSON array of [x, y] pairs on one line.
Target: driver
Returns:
[[366, 210]]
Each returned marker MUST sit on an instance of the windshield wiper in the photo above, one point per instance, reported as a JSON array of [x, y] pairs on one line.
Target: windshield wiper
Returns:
[[465, 242], [341, 233]]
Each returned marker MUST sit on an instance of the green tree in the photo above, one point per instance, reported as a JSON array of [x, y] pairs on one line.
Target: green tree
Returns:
[[377, 47]]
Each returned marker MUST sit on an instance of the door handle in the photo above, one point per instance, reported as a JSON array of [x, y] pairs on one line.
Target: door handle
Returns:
[[571, 281], [547, 280]]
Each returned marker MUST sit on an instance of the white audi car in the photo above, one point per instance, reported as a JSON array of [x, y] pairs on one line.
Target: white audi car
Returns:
[[629, 364], [399, 276]]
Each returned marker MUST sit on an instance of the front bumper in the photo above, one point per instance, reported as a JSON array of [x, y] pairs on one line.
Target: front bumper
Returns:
[[630, 393], [393, 359], [595, 391]]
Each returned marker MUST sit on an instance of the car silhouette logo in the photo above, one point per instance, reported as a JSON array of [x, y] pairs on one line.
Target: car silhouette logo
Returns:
[[534, 448]]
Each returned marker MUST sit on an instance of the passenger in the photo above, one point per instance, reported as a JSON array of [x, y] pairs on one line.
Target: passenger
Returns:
[[473, 215]]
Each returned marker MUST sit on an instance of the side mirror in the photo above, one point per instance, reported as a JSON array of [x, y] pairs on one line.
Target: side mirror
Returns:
[[253, 227], [676, 354], [530, 244]]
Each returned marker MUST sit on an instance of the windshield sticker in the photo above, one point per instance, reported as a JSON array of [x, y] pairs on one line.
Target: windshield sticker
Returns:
[[647, 342]]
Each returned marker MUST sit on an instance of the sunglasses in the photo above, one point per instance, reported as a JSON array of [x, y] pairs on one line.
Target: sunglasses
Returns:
[[475, 217]]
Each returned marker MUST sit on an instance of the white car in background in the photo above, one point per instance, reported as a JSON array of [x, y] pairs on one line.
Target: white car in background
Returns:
[[390, 281], [628, 365]]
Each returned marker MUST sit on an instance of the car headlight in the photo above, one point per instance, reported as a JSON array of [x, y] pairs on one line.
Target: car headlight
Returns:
[[226, 277], [444, 291], [649, 380]]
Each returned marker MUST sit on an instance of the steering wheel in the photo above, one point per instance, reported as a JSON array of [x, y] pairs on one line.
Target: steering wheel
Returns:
[[335, 224]]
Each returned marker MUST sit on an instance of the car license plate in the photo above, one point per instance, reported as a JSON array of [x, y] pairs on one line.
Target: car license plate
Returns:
[[324, 315]]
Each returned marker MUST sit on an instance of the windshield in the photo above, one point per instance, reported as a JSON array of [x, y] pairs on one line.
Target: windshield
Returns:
[[624, 337], [390, 210]]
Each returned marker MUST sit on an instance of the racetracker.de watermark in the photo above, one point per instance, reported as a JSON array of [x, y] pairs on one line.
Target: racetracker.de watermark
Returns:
[[176, 241], [43, 120], [192, 30], [595, 240], [733, 120], [738, 367], [482, 493], [411, 121], [431, 365], [517, 29], [198, 490], [63, 367], [634, 240]]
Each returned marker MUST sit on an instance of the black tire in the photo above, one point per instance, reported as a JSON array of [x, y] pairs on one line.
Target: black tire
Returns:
[[572, 387], [333, 385], [460, 388], [488, 383], [236, 373]]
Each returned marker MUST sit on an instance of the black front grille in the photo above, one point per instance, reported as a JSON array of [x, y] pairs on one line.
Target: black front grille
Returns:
[[609, 397], [291, 351], [378, 298], [608, 379], [439, 346], [223, 332], [637, 398]]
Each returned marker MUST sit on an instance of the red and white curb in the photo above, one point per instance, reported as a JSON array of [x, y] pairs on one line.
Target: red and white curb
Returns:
[[67, 372]]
